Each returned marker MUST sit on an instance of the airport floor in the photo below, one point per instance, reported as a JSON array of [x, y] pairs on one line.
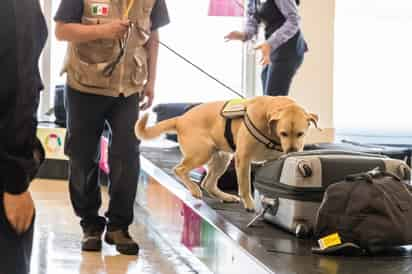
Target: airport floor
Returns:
[[56, 247]]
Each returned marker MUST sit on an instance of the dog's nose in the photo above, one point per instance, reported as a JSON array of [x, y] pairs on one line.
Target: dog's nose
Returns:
[[292, 149]]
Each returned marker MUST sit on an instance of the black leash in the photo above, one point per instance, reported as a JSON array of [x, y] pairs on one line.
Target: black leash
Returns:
[[200, 69], [192, 64]]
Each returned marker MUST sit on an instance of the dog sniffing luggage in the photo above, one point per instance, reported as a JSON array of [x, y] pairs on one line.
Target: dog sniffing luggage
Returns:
[[254, 130], [289, 190]]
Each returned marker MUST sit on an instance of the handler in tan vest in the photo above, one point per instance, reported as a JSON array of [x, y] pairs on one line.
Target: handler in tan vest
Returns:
[[110, 64]]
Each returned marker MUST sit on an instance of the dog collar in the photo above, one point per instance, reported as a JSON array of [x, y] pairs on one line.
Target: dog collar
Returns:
[[262, 138]]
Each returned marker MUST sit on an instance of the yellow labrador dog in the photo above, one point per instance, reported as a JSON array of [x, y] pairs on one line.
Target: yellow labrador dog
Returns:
[[270, 127]]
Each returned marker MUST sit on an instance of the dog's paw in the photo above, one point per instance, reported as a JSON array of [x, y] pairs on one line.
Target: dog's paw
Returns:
[[222, 196], [249, 204], [196, 192], [228, 198]]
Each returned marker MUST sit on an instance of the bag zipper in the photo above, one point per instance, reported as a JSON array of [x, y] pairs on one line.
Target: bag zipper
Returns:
[[286, 187], [293, 194]]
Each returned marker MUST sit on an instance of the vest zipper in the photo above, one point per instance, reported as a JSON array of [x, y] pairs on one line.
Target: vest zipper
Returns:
[[121, 72], [121, 76]]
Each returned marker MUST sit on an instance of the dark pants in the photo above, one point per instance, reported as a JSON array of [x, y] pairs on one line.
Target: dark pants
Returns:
[[87, 114], [277, 76], [15, 250]]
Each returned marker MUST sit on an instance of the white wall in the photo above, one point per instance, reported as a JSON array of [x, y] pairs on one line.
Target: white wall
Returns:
[[372, 67], [313, 85]]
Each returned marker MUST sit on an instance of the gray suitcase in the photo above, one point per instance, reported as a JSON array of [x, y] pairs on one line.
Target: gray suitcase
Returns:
[[288, 191]]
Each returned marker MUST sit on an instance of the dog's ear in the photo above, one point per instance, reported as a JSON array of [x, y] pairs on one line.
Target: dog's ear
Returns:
[[274, 116], [313, 118], [272, 119]]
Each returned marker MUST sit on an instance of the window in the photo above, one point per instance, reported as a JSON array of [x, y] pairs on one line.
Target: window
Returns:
[[373, 90], [51, 62]]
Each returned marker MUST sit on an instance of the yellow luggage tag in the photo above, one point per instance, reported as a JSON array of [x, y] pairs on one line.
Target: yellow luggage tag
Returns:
[[329, 241]]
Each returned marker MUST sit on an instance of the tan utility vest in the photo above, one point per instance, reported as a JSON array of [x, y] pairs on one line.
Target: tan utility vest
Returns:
[[85, 61]]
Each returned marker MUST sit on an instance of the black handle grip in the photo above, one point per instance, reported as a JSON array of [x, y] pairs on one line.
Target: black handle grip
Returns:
[[370, 175]]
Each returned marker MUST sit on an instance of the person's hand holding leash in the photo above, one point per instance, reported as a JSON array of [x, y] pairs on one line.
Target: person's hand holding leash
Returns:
[[146, 98], [19, 210], [114, 30], [265, 48]]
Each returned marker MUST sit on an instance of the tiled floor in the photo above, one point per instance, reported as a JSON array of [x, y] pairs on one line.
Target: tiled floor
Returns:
[[56, 247]]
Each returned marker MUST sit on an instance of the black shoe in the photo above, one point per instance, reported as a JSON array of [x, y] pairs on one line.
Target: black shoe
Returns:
[[92, 241], [124, 243]]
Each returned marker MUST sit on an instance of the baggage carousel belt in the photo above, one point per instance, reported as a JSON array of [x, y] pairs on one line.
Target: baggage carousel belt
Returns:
[[278, 242]]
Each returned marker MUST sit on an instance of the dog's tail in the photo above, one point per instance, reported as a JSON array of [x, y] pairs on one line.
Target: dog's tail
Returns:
[[145, 133]]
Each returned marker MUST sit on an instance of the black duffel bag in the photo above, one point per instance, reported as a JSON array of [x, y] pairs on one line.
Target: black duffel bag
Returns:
[[366, 213]]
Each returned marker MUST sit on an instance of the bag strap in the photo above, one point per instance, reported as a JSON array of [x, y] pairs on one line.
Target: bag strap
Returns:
[[337, 152], [370, 175]]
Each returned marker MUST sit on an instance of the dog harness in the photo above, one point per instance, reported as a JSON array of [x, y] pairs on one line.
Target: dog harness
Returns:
[[236, 109]]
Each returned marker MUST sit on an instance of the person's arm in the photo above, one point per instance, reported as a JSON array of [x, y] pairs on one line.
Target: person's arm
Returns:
[[152, 47], [251, 26], [14, 162], [70, 28], [76, 32], [291, 26], [159, 18], [20, 152]]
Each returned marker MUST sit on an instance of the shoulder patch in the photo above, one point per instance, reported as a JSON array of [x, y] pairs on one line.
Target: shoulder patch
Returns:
[[100, 9]]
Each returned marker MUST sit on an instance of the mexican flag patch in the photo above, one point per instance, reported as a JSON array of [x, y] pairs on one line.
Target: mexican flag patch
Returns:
[[99, 9]]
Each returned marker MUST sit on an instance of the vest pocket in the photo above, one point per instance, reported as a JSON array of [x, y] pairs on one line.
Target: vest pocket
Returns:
[[139, 74], [143, 29], [90, 58], [90, 75]]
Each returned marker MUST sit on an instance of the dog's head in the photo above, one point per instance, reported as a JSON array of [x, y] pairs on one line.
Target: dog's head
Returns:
[[291, 124]]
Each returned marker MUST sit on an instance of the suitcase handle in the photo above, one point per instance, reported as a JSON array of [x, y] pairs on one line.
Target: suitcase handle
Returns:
[[332, 152], [361, 145], [305, 169], [370, 175]]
